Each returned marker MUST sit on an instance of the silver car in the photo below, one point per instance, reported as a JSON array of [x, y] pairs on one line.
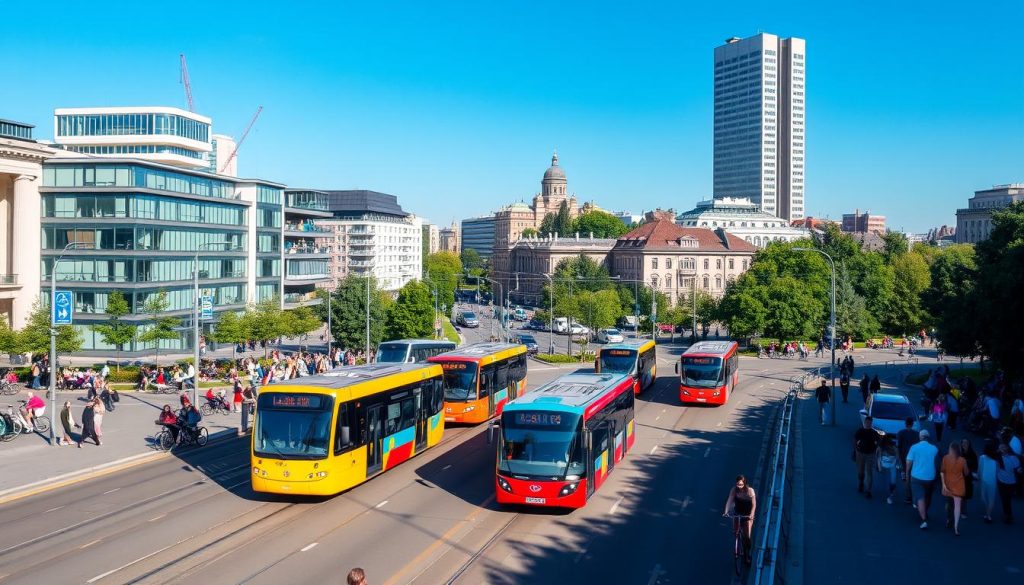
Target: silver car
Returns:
[[609, 335], [889, 413]]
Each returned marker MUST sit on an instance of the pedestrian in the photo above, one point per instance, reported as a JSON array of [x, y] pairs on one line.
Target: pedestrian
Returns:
[[67, 421], [952, 409], [248, 406], [905, 439], [849, 368], [888, 465], [865, 447], [236, 399], [89, 424], [1007, 470], [971, 458], [987, 468], [865, 384], [938, 416], [822, 395], [844, 385], [36, 374], [876, 384], [98, 410], [356, 576], [922, 472], [953, 472]]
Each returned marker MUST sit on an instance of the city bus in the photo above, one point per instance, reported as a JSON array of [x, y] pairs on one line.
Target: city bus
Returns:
[[633, 357], [708, 372], [321, 435], [480, 378], [557, 444], [411, 351]]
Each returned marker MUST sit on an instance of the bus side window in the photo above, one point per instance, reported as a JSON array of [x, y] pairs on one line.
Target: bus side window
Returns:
[[344, 437], [408, 413], [501, 376], [518, 370], [438, 404], [486, 381]]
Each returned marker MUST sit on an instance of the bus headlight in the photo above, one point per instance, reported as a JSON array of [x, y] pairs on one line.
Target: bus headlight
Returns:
[[469, 409], [568, 489], [504, 484], [686, 393], [317, 475], [716, 392], [259, 472]]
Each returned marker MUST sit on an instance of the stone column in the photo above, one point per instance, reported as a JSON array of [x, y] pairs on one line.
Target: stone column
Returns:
[[26, 245]]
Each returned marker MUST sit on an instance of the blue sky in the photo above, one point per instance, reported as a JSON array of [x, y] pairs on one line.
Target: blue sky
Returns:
[[456, 107]]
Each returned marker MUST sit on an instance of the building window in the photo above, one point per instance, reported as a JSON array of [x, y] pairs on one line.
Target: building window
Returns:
[[718, 282], [706, 283], [654, 263], [718, 264], [707, 264], [732, 264], [668, 263]]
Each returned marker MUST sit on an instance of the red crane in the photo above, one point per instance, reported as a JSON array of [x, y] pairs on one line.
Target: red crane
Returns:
[[184, 81], [234, 152]]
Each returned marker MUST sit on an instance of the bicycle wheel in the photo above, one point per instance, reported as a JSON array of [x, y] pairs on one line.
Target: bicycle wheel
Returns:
[[165, 440], [737, 554], [206, 410], [202, 437], [42, 425]]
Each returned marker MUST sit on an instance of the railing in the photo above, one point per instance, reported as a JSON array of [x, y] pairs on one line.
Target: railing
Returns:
[[307, 250], [8, 279], [306, 228], [300, 297]]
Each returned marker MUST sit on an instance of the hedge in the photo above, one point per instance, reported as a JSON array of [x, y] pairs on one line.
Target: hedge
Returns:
[[561, 358]]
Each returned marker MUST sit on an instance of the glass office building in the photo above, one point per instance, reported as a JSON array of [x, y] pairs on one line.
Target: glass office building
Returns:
[[307, 246], [138, 227]]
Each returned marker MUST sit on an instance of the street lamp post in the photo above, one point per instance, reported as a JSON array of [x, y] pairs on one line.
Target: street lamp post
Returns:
[[832, 329], [195, 316], [551, 314], [497, 284], [53, 338]]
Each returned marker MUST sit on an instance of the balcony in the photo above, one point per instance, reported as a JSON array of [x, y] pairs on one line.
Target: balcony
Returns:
[[360, 263], [8, 280], [292, 300], [307, 250], [306, 228]]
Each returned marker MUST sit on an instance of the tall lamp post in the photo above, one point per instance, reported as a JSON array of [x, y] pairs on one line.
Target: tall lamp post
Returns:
[[551, 314], [832, 329], [195, 315], [500, 297], [53, 338]]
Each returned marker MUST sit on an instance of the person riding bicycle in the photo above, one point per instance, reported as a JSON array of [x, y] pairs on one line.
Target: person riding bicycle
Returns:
[[34, 407], [216, 400], [188, 420], [169, 421], [742, 502]]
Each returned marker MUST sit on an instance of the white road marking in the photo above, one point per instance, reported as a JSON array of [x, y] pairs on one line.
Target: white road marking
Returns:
[[446, 468], [126, 565], [308, 546], [615, 506], [53, 509], [88, 544], [657, 418], [381, 505], [707, 452], [664, 409], [718, 425], [653, 449], [686, 502], [110, 491], [156, 518]]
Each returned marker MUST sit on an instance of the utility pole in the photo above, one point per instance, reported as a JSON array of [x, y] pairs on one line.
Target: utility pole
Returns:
[[367, 318]]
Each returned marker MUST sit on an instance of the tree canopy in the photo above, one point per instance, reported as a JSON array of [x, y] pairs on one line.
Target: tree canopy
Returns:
[[115, 331], [443, 269], [600, 224], [412, 315], [162, 327], [348, 312]]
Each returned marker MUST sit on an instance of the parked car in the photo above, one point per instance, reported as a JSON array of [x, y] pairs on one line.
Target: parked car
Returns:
[[889, 413], [468, 319], [628, 322], [609, 335], [530, 342], [579, 330], [665, 327], [519, 314]]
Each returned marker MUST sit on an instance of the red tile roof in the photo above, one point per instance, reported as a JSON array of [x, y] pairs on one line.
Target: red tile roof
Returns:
[[664, 234]]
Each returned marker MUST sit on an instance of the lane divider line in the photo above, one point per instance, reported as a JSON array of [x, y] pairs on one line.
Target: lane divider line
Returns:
[[90, 543], [309, 546], [615, 506], [53, 509], [382, 504], [653, 449]]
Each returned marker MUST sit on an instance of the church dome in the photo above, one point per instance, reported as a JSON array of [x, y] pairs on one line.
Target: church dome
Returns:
[[554, 172]]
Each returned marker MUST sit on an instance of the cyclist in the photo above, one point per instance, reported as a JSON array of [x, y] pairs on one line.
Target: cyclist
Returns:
[[188, 420], [216, 400], [34, 408], [742, 502], [169, 421]]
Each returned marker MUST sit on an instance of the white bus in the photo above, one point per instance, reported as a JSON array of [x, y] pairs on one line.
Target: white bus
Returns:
[[411, 351]]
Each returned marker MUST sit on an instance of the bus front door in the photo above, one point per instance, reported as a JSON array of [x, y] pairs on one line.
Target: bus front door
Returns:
[[374, 454], [421, 419]]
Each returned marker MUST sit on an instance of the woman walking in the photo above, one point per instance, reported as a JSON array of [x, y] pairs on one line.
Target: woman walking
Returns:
[[971, 457], [89, 424], [952, 472], [66, 421], [1007, 469], [97, 414], [987, 466], [938, 417], [888, 465]]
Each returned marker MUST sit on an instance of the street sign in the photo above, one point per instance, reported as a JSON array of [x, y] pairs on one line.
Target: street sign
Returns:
[[63, 308], [206, 308]]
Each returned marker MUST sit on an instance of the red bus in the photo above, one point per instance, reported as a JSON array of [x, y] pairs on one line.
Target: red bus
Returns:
[[558, 443], [708, 372]]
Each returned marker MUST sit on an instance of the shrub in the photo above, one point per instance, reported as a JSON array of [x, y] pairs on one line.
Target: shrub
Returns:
[[559, 358]]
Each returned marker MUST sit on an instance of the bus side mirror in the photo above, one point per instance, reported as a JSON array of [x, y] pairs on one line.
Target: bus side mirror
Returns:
[[490, 432], [677, 368], [597, 367]]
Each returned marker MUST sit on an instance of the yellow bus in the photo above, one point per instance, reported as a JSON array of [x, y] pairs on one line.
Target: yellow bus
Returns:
[[321, 435], [480, 378], [634, 357]]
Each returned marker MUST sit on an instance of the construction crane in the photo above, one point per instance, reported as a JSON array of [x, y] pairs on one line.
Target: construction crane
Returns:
[[184, 81], [234, 152]]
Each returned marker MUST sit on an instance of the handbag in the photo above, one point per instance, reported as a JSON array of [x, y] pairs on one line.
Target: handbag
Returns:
[[115, 396]]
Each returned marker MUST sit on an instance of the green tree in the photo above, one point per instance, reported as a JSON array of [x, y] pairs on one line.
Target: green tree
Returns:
[[530, 233], [836, 243], [8, 338], [267, 322], [997, 292], [852, 315], [34, 337], [793, 310], [230, 328], [599, 309], [563, 220], [162, 328], [412, 315], [349, 306], [547, 225], [115, 331], [895, 245], [950, 300], [444, 269], [300, 321], [600, 224], [471, 259], [742, 309], [904, 313]]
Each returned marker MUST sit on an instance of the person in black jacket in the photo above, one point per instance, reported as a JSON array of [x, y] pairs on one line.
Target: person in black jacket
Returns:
[[876, 384], [865, 387], [822, 395]]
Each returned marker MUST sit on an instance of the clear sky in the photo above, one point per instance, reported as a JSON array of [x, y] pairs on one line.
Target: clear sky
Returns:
[[456, 106]]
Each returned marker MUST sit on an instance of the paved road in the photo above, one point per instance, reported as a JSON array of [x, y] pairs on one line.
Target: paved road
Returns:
[[193, 518]]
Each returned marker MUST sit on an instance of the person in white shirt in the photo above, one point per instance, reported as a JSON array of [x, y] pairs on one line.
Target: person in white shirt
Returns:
[[922, 471]]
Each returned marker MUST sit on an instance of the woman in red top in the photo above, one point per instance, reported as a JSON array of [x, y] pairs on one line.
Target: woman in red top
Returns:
[[169, 420], [237, 398]]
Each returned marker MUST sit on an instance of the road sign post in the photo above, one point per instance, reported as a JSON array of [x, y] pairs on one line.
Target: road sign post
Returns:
[[62, 310], [206, 308]]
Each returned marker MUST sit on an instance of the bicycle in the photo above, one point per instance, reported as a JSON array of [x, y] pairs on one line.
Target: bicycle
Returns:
[[164, 440], [8, 389], [208, 408], [741, 543]]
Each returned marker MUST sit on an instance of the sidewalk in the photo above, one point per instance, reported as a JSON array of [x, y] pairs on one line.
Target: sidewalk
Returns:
[[850, 539], [126, 434]]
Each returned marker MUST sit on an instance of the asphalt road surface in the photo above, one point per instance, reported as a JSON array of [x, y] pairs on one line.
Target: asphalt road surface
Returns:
[[194, 519]]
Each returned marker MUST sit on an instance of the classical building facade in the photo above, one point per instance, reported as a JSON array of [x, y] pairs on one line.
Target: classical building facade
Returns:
[[974, 223], [531, 258], [742, 218], [512, 220], [449, 239], [21, 174]]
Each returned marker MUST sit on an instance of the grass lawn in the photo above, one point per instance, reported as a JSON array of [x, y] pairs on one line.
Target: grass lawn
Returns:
[[449, 331]]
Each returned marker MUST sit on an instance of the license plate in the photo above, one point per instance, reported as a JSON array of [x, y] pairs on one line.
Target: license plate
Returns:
[[449, 419], [702, 400], [536, 500]]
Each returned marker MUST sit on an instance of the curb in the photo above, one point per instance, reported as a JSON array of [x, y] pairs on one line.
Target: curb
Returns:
[[73, 477]]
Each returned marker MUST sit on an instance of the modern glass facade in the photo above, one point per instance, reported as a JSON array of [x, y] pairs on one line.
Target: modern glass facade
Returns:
[[478, 234], [139, 227], [136, 149], [132, 125], [315, 200], [9, 129]]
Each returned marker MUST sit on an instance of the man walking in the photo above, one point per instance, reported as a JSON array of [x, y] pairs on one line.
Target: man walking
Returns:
[[921, 469], [844, 385], [865, 446], [865, 384], [822, 395], [876, 384], [905, 439]]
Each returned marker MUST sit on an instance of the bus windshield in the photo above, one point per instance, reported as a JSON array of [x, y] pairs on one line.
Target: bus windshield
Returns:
[[702, 372], [541, 445], [459, 381], [292, 426], [618, 361], [393, 352]]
